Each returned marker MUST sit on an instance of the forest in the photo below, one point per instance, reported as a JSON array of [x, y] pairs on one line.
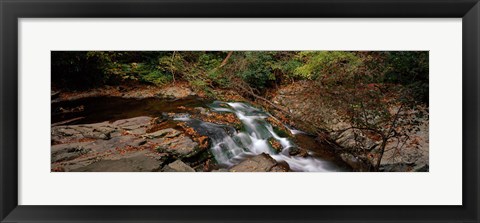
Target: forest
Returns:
[[240, 111]]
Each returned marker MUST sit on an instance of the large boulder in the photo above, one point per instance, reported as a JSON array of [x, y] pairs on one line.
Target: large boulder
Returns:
[[259, 163], [178, 166], [355, 162]]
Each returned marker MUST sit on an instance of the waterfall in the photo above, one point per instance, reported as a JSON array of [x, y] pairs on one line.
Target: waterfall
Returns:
[[230, 146]]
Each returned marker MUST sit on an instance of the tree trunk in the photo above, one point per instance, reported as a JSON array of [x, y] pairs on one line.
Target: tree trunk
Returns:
[[382, 150], [171, 70], [226, 59]]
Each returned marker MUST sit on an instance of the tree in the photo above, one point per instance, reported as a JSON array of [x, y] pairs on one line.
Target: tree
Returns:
[[375, 112]]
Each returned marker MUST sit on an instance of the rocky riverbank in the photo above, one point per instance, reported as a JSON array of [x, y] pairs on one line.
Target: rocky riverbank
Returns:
[[354, 147], [140, 144], [139, 91]]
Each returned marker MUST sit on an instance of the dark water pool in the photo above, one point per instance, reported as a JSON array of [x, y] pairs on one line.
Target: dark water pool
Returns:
[[99, 109]]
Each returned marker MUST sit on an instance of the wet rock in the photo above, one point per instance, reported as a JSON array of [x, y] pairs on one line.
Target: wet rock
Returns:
[[177, 115], [279, 127], [296, 151], [158, 120], [259, 163], [178, 166], [71, 110], [275, 144], [222, 119], [201, 110]]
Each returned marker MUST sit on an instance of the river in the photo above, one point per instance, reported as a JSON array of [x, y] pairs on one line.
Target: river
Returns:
[[228, 145]]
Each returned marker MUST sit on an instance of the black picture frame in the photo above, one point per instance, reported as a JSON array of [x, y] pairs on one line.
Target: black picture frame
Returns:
[[11, 11]]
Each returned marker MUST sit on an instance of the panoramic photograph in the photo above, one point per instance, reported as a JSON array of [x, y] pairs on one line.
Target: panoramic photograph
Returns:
[[239, 111]]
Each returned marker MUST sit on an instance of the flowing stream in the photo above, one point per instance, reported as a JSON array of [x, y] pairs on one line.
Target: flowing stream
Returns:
[[230, 146]]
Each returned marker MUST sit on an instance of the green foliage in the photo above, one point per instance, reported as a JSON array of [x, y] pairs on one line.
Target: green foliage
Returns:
[[172, 64], [156, 77], [259, 69], [258, 72], [154, 68], [208, 61], [409, 68], [324, 64], [217, 77], [202, 86]]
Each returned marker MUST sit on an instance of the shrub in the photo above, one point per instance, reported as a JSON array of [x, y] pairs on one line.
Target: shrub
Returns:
[[258, 72]]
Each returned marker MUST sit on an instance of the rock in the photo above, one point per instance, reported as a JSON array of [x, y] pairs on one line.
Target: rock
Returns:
[[135, 162], [166, 133], [100, 145], [279, 168], [182, 146], [396, 167], [176, 92], [201, 110], [275, 144], [54, 94], [259, 163], [158, 120], [177, 115], [68, 153], [354, 162], [351, 139], [178, 166], [93, 131], [137, 125], [221, 170], [296, 151], [422, 168], [123, 145], [140, 142], [71, 110]]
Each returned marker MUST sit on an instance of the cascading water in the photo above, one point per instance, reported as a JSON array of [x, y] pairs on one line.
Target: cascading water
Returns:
[[230, 146]]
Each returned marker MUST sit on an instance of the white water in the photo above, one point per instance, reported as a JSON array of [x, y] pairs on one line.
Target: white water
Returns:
[[231, 147]]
